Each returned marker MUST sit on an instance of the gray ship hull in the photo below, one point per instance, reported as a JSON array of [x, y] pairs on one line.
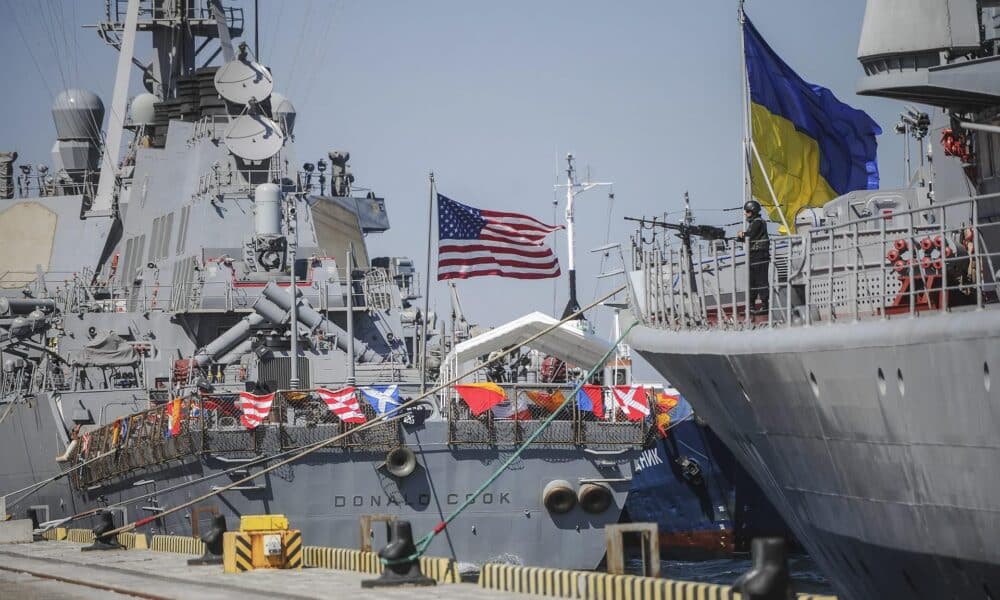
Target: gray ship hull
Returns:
[[877, 442], [328, 493]]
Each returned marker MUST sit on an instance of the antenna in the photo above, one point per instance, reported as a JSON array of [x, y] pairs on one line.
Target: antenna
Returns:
[[573, 189]]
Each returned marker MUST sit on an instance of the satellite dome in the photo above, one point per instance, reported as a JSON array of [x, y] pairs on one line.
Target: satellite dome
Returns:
[[78, 115], [284, 113], [141, 110]]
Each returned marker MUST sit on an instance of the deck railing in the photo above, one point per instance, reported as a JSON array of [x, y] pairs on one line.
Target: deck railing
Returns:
[[184, 429], [926, 260]]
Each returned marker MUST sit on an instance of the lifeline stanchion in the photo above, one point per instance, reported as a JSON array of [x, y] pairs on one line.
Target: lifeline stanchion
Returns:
[[425, 541], [394, 414]]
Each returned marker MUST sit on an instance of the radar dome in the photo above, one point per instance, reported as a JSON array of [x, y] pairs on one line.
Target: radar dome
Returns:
[[141, 110], [78, 115], [284, 113]]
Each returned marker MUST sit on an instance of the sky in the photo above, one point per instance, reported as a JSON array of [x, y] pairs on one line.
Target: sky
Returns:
[[491, 96]]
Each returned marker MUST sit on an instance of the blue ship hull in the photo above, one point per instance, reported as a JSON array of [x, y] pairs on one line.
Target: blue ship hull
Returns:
[[704, 503]]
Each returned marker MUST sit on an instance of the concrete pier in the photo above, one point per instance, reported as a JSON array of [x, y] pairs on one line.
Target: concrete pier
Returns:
[[60, 570]]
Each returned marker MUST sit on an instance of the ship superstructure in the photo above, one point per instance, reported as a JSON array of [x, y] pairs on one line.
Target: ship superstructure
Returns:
[[862, 400], [184, 254]]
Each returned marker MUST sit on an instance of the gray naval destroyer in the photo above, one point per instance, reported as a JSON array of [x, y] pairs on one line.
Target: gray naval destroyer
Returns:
[[145, 281], [863, 402]]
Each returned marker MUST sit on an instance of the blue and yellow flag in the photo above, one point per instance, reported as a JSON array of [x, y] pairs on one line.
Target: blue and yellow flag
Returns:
[[813, 146]]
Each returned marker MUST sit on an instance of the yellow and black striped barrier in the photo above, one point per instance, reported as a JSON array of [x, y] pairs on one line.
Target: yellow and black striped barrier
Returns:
[[342, 559], [444, 570], [293, 549], [237, 553], [177, 543], [133, 541], [80, 536], [56, 534], [582, 585]]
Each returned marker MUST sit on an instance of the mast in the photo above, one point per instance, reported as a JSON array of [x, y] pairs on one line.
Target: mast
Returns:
[[572, 190]]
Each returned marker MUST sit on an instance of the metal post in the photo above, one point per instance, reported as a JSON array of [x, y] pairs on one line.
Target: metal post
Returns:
[[909, 242], [883, 285], [833, 259], [975, 262], [732, 267], [427, 287], [809, 276], [701, 286], [350, 315], [857, 283], [772, 276], [291, 228], [944, 259], [718, 285], [788, 286]]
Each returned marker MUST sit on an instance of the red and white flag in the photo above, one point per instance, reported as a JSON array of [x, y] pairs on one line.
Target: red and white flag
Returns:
[[343, 403], [631, 399], [475, 242], [255, 408]]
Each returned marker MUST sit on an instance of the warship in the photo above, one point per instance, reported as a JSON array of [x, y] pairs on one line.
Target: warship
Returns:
[[861, 398], [178, 289]]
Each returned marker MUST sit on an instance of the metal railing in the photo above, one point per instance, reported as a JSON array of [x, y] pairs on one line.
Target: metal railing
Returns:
[[212, 424], [929, 259]]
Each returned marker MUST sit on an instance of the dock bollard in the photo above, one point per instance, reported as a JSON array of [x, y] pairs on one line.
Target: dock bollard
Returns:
[[213, 543], [102, 541], [768, 578], [400, 547]]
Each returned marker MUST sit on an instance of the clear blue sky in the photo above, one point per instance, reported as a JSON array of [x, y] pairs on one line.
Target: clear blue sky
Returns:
[[491, 96]]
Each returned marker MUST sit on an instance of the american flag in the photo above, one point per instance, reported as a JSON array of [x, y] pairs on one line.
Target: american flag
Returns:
[[474, 242], [343, 403]]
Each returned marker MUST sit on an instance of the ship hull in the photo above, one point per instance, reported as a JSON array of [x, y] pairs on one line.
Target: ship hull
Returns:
[[328, 493], [876, 442]]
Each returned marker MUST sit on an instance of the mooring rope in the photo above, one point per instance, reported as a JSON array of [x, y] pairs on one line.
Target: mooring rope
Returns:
[[425, 541], [309, 449]]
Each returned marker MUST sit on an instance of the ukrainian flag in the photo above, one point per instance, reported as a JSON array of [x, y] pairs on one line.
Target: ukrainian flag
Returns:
[[813, 146]]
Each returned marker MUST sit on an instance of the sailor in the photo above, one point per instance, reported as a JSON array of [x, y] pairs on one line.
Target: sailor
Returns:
[[759, 255]]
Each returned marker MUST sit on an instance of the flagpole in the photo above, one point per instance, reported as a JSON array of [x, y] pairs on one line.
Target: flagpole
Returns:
[[750, 153], [747, 194], [427, 286]]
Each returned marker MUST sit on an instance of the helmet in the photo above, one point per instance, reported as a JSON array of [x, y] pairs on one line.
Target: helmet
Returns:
[[752, 206]]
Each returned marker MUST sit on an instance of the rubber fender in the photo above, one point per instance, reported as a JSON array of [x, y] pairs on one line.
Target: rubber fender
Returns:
[[595, 498], [558, 497]]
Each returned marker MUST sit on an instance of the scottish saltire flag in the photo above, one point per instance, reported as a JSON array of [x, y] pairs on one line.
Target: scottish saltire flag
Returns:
[[813, 146], [474, 242], [383, 398]]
